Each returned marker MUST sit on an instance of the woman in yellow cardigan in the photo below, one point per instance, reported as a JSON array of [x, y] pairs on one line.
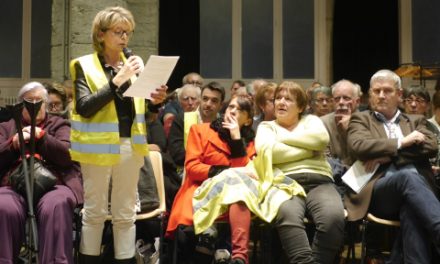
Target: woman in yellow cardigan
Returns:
[[297, 142]]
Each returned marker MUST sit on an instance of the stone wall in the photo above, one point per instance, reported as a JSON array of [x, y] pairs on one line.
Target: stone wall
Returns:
[[71, 30]]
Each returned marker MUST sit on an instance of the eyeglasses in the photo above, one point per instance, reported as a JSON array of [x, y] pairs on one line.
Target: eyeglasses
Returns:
[[54, 105], [120, 33], [321, 100], [417, 100]]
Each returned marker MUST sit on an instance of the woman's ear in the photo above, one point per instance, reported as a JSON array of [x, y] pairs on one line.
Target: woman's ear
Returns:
[[248, 122], [100, 35]]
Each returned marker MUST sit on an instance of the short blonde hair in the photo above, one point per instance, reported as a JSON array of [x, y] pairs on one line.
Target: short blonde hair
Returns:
[[296, 90], [108, 18]]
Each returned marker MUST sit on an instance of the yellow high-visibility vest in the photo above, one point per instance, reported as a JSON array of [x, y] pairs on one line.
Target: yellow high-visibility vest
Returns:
[[95, 140], [190, 118]]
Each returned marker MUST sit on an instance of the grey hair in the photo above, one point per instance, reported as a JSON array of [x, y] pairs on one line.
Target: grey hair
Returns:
[[357, 91], [188, 87], [321, 89], [386, 75], [30, 87], [186, 77]]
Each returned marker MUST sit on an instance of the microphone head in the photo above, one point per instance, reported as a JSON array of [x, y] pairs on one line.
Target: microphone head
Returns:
[[127, 52]]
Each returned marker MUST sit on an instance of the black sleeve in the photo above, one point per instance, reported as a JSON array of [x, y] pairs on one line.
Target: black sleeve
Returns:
[[88, 103], [156, 135], [238, 149], [216, 169], [175, 141], [153, 108]]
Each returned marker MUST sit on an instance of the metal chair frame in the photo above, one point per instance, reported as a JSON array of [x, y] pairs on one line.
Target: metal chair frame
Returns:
[[370, 218]]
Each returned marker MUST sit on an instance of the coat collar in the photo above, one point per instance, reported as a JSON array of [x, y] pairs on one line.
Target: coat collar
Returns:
[[403, 120], [214, 139]]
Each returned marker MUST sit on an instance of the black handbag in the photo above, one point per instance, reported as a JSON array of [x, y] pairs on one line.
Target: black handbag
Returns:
[[44, 179]]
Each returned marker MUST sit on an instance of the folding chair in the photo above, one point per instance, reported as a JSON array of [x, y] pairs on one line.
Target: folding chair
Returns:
[[370, 218]]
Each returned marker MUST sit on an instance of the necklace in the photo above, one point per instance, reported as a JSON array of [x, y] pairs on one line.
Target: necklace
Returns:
[[116, 67]]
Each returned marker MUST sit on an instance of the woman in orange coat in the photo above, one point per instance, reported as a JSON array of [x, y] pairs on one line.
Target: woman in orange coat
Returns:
[[225, 143]]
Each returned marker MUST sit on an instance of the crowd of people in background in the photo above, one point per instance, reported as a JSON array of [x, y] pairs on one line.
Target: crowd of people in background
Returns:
[[275, 151]]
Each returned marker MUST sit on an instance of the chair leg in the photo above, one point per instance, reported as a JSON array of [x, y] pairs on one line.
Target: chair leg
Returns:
[[161, 237], [175, 245], [364, 242], [351, 226]]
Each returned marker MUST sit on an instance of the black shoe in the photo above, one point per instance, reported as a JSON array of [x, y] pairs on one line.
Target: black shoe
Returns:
[[237, 261], [87, 259], [206, 241], [125, 261], [222, 256]]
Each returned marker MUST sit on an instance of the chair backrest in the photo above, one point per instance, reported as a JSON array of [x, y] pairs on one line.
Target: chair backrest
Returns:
[[156, 162], [375, 219]]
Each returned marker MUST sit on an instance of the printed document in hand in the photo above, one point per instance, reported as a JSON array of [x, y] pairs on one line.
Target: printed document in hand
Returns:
[[157, 71], [356, 177]]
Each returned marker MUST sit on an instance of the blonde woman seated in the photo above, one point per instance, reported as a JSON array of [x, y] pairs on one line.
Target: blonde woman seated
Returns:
[[259, 188], [297, 143]]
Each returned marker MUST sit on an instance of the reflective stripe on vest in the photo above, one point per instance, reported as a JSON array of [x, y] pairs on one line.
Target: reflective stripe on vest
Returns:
[[95, 140], [190, 118]]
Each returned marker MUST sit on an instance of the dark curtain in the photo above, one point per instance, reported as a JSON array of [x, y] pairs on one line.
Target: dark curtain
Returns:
[[365, 39], [179, 36]]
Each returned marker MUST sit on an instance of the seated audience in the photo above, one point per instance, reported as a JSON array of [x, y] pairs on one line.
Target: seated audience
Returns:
[[235, 86], [346, 98], [297, 142], [434, 122], [57, 103], [213, 147], [188, 100], [171, 102], [321, 101], [264, 102], [435, 119], [309, 90], [68, 89], [402, 187], [5, 114], [416, 100], [54, 211], [213, 95]]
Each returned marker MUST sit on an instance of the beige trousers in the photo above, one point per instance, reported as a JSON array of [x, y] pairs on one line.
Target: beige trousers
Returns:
[[124, 177]]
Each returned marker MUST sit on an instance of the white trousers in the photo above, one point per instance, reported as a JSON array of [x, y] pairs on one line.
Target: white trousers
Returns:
[[124, 177]]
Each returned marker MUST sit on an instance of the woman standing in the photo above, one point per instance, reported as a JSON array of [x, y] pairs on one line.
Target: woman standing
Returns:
[[109, 133], [297, 143]]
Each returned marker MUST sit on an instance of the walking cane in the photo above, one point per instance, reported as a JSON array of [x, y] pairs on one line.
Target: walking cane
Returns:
[[16, 110], [33, 108]]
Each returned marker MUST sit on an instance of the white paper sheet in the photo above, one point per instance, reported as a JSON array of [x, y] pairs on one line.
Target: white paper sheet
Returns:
[[157, 71], [356, 177]]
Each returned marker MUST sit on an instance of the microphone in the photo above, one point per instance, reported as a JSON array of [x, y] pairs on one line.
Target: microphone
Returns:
[[127, 52]]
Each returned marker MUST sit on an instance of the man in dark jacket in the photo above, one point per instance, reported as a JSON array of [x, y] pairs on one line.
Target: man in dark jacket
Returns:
[[402, 187]]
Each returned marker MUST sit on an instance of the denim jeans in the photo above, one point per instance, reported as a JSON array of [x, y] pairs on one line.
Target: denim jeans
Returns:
[[323, 205], [405, 195]]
